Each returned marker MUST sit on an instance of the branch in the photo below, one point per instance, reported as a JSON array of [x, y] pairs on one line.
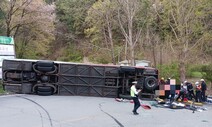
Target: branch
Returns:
[[4, 14], [27, 2], [138, 35], [122, 28], [19, 25], [96, 46], [197, 42]]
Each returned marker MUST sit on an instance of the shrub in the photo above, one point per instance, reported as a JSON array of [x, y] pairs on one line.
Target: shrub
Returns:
[[193, 71], [169, 71], [206, 71]]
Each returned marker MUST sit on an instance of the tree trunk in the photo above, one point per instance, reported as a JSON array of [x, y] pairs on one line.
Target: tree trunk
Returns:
[[182, 64], [132, 56], [125, 50], [154, 57], [182, 70], [161, 57], [111, 43], [8, 31]]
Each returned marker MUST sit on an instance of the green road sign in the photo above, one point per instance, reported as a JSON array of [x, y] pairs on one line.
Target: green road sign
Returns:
[[6, 40]]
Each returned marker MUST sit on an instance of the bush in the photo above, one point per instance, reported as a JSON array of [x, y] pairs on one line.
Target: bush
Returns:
[[193, 71], [71, 54], [206, 71], [169, 71], [1, 88], [100, 58]]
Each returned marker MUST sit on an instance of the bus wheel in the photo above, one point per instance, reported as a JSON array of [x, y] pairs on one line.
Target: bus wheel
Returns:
[[44, 93], [44, 90], [150, 83]]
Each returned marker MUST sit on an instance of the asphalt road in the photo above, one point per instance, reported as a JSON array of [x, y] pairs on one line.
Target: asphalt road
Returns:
[[78, 111]]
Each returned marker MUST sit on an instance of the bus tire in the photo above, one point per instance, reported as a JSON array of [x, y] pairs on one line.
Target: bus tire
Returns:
[[44, 89], [150, 83], [44, 93]]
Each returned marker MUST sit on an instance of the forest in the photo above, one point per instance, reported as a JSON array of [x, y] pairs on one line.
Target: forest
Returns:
[[175, 35]]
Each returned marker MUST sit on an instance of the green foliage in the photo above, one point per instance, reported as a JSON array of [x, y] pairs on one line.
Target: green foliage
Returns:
[[100, 56], [73, 13], [193, 71], [196, 74], [99, 20], [71, 54], [1, 22], [100, 59], [169, 71], [50, 1], [1, 88], [207, 72], [32, 49]]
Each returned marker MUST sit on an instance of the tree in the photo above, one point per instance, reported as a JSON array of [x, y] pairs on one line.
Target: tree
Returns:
[[1, 22], [38, 32], [187, 29], [206, 48], [31, 24], [207, 72], [12, 10], [101, 25], [132, 17], [71, 16], [50, 1]]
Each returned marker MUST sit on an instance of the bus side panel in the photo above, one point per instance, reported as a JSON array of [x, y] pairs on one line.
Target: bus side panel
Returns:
[[87, 80]]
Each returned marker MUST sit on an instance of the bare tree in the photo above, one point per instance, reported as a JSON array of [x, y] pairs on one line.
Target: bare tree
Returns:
[[29, 22], [186, 28], [11, 9], [101, 17], [130, 18]]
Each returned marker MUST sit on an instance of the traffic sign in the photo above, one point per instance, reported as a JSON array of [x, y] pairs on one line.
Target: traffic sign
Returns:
[[6, 40]]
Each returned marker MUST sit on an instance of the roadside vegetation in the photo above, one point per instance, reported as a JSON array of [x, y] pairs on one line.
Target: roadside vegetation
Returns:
[[1, 88], [175, 36]]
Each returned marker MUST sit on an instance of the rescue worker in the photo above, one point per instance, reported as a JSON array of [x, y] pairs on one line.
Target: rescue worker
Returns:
[[198, 92], [162, 81], [134, 91], [183, 92], [203, 89], [190, 91], [168, 81]]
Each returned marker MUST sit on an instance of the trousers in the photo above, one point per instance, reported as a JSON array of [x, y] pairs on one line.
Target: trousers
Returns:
[[136, 103]]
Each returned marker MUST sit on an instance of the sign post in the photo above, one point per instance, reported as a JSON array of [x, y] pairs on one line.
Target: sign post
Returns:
[[6, 40], [7, 50]]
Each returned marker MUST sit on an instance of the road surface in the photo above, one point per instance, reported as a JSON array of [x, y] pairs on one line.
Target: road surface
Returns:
[[77, 111]]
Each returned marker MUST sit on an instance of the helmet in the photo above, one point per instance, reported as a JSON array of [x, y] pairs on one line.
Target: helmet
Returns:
[[196, 83], [185, 81], [201, 79], [162, 78], [135, 82]]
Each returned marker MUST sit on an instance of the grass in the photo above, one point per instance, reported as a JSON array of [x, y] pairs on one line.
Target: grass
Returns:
[[1, 88], [196, 74]]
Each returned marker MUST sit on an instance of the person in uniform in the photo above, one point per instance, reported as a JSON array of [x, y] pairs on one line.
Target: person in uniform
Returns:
[[183, 92], [198, 92], [162, 81], [134, 91], [203, 89], [190, 91]]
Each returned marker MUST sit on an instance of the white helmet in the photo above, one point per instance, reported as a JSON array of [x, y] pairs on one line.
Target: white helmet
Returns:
[[196, 83]]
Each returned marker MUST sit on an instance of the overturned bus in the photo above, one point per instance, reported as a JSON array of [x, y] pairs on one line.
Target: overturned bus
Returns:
[[44, 77]]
